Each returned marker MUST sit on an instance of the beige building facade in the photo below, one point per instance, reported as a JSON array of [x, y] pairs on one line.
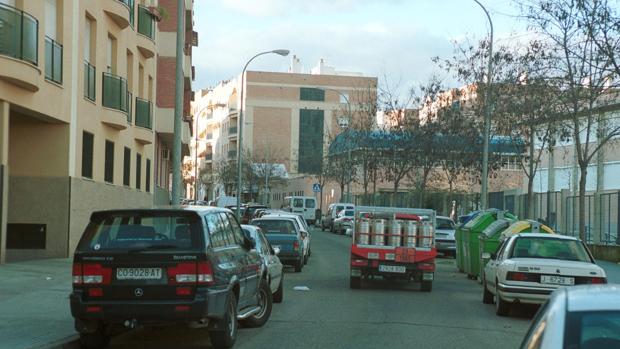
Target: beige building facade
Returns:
[[77, 86]]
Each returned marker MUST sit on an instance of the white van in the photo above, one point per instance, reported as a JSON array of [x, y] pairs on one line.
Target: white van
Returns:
[[224, 201], [306, 205], [332, 213]]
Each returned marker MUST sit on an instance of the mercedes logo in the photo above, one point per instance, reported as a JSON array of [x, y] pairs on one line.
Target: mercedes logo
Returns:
[[138, 292]]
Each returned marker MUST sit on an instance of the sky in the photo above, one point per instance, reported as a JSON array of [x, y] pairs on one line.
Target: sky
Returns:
[[390, 39]]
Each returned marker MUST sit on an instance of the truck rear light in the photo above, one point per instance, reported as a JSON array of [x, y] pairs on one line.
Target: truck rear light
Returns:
[[205, 273], [96, 274], [517, 276], [95, 292], [296, 245], [359, 262], [77, 273], [599, 280]]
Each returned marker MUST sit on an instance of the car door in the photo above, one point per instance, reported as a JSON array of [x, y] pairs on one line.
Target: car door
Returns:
[[226, 268], [250, 260], [490, 271]]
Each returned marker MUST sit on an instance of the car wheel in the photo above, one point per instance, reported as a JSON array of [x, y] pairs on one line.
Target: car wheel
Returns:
[[355, 282], [95, 340], [306, 259], [279, 295], [226, 333], [502, 308], [487, 296], [299, 265], [265, 302], [427, 286]]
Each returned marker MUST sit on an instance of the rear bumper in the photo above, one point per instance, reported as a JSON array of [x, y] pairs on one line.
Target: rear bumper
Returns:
[[289, 257], [528, 295], [445, 245], [205, 304]]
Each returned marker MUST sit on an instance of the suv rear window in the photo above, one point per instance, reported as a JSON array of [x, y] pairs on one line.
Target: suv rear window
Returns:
[[148, 230], [276, 226], [299, 203]]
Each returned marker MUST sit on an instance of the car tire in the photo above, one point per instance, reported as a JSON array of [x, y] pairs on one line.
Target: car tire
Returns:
[[278, 296], [487, 296], [502, 308], [265, 299], [306, 259], [299, 265], [95, 340], [225, 335], [355, 282], [427, 286]]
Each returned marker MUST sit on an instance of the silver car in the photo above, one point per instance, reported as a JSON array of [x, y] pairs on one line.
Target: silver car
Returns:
[[271, 263], [344, 220], [584, 317], [444, 236]]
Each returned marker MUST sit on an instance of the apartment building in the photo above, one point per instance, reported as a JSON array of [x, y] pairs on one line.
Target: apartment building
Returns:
[[77, 85], [288, 121], [166, 86]]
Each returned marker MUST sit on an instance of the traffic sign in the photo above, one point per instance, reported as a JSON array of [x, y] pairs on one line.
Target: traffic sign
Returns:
[[316, 187]]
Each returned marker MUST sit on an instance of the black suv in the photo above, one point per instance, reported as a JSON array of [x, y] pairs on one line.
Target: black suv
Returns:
[[190, 265]]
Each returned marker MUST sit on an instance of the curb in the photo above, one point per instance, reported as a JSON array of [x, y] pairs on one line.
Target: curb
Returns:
[[69, 342]]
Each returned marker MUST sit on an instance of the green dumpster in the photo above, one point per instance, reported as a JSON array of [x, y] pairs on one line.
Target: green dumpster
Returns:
[[471, 241]]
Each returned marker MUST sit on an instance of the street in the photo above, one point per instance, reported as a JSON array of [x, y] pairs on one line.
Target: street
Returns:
[[331, 315]]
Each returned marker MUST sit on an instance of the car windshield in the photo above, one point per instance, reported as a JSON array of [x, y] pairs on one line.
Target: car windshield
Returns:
[[592, 329], [550, 248], [143, 230], [443, 223], [348, 213], [276, 226]]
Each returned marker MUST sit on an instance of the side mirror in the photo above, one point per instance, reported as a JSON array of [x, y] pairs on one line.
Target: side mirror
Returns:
[[493, 256], [275, 250], [486, 255]]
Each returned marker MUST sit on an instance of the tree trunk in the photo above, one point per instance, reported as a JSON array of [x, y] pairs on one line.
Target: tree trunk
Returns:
[[582, 203], [342, 184], [396, 184], [530, 197]]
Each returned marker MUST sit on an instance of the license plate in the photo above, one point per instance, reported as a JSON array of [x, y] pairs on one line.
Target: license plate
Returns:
[[138, 273], [557, 280], [392, 268]]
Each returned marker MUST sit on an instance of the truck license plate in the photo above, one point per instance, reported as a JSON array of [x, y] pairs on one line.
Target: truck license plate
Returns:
[[392, 268], [557, 280]]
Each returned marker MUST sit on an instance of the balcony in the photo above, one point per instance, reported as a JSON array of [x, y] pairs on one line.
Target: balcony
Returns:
[[90, 81], [144, 117], [53, 60], [19, 41], [232, 112], [232, 154], [119, 11], [146, 27], [116, 98]]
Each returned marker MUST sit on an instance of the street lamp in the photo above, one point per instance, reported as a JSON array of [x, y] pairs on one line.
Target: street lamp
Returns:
[[344, 127], [282, 53], [487, 118], [196, 151]]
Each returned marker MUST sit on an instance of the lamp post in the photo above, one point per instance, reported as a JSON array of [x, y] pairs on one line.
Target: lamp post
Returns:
[[344, 127], [282, 53], [487, 118], [196, 151]]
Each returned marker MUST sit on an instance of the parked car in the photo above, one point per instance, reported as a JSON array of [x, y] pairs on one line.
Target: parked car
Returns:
[[302, 225], [283, 233], [332, 212], [444, 236], [527, 267], [344, 221], [272, 269], [189, 265], [585, 317], [248, 213]]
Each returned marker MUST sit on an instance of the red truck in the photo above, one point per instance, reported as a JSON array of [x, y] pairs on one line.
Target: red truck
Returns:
[[395, 243]]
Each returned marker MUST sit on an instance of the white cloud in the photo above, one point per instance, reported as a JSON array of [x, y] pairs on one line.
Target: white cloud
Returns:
[[262, 8]]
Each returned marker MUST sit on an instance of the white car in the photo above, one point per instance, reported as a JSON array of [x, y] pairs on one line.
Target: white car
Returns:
[[527, 267], [444, 236], [301, 224], [344, 221], [271, 262], [585, 317]]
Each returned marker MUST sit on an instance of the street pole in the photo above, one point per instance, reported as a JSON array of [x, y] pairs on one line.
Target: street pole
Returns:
[[487, 118], [196, 159], [240, 128], [178, 106]]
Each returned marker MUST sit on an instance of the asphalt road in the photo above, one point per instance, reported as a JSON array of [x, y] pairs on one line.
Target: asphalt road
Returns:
[[388, 315]]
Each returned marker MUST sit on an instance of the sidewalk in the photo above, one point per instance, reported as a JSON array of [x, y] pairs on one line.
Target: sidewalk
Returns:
[[34, 304]]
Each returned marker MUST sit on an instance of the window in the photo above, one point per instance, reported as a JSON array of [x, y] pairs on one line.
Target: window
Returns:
[[237, 232], [127, 166], [111, 55], [87, 154], [310, 141], [592, 329], [53, 49], [90, 37], [550, 248], [148, 176], [311, 94], [213, 224], [298, 203], [108, 174], [229, 231], [138, 170], [310, 203]]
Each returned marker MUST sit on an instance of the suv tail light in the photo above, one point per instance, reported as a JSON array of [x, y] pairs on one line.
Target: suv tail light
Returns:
[[190, 273], [91, 274], [296, 245]]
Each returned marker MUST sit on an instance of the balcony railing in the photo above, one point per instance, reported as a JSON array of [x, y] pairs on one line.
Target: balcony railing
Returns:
[[90, 79], [115, 94], [53, 60], [143, 113], [132, 11], [232, 154], [232, 130], [129, 106], [146, 22], [19, 34]]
